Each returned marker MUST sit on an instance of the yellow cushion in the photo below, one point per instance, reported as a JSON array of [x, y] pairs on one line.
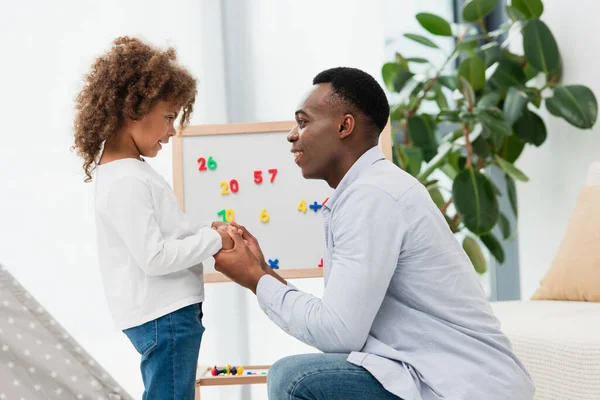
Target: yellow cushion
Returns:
[[575, 271]]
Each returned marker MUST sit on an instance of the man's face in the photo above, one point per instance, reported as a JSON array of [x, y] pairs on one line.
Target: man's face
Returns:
[[315, 141]]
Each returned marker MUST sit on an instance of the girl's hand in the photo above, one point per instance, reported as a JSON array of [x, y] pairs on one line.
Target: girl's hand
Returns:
[[227, 241]]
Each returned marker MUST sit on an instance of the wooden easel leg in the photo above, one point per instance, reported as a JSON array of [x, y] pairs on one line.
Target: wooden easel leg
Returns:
[[197, 397]]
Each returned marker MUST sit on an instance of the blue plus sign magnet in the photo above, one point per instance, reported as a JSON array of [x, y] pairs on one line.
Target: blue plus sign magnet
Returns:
[[315, 206], [273, 263]]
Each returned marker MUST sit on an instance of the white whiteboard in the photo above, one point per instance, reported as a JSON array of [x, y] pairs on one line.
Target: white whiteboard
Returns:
[[292, 239]]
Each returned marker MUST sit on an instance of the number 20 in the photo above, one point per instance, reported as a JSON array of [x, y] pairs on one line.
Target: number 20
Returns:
[[233, 184]]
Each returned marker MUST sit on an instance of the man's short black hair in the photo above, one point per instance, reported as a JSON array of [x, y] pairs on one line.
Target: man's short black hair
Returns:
[[359, 90]]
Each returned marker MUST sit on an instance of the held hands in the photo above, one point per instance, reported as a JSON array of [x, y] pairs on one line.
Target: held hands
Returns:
[[239, 263], [221, 228]]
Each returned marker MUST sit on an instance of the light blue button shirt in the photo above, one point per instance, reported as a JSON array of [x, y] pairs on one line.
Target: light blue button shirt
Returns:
[[401, 296]]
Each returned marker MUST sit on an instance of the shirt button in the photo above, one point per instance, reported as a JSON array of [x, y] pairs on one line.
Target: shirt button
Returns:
[[287, 329]]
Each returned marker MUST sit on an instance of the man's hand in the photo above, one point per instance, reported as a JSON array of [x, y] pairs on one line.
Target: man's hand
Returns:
[[239, 264], [252, 244]]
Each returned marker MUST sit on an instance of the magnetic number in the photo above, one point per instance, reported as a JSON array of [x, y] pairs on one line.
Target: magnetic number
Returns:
[[264, 216], [202, 164], [258, 176], [302, 206], [273, 173], [227, 215], [233, 185]]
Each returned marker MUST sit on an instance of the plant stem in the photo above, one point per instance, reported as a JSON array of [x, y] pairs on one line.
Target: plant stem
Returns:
[[483, 28], [405, 126], [445, 206], [468, 145]]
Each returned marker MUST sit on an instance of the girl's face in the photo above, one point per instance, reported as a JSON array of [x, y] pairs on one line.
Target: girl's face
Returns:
[[154, 129]]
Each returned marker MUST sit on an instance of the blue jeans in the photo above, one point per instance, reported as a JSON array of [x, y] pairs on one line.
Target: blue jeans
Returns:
[[322, 377], [169, 347]]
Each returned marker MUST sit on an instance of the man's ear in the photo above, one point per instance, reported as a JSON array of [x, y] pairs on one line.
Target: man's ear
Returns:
[[347, 125]]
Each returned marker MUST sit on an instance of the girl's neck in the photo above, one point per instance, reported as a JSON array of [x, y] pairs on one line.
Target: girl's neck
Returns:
[[122, 146]]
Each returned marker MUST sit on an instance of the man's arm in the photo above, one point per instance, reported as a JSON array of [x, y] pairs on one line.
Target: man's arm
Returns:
[[367, 233]]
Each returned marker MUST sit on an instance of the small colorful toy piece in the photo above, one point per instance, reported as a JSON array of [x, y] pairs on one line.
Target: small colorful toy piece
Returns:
[[323, 203], [227, 215], [302, 206], [274, 263], [228, 370], [233, 185], [202, 164], [264, 216], [315, 206], [321, 264]]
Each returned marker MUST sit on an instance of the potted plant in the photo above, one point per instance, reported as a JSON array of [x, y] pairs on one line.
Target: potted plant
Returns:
[[487, 113]]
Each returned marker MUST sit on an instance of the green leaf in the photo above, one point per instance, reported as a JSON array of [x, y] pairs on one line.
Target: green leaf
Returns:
[[414, 157], [421, 39], [489, 100], [467, 91], [540, 47], [481, 147], [552, 107], [491, 53], [434, 24], [511, 189], [417, 60], [475, 10], [504, 226], [453, 159], [397, 112], [494, 246], [440, 98], [535, 96], [510, 169], [514, 14], [421, 129], [473, 70], [512, 148], [449, 115], [529, 8], [400, 60], [395, 76], [507, 74], [494, 120], [471, 247], [529, 72], [475, 201], [516, 101], [435, 162], [577, 105], [437, 197], [530, 128], [468, 46], [448, 81], [454, 227]]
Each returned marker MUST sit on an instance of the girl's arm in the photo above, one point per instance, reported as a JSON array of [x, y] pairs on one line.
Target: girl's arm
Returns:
[[129, 211]]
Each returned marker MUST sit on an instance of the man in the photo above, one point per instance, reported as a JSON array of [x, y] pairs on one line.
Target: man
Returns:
[[403, 314]]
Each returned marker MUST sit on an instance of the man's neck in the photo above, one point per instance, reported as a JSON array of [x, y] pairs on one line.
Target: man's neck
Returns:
[[345, 163]]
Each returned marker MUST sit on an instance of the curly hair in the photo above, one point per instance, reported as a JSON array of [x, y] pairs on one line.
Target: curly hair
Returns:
[[125, 84]]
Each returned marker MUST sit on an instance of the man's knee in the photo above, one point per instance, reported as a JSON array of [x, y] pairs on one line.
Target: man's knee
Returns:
[[281, 377]]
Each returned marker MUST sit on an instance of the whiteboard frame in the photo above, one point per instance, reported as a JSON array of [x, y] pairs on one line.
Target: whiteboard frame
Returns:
[[236, 129]]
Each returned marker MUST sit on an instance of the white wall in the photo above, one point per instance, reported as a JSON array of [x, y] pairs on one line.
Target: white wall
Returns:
[[557, 170]]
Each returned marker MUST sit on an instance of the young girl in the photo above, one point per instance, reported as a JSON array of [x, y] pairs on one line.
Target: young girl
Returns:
[[150, 253]]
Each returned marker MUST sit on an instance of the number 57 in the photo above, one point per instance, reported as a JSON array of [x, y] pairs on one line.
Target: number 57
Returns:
[[258, 176]]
